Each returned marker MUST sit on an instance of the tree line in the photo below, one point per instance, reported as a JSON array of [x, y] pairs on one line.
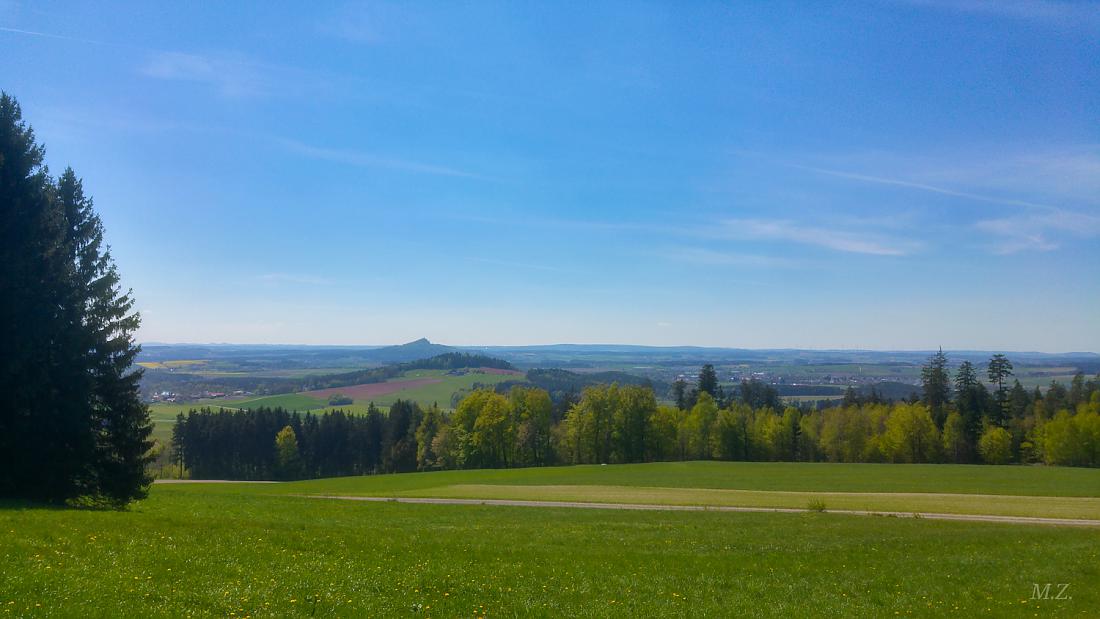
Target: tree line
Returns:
[[1007, 423], [273, 443], [626, 423]]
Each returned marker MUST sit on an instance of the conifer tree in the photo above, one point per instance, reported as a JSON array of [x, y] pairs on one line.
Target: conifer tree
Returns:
[[971, 400], [1000, 368], [936, 386], [708, 381], [43, 440], [108, 324], [679, 391], [75, 426]]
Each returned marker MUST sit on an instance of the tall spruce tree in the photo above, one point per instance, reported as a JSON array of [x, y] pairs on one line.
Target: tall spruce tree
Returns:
[[1000, 368], [1018, 401], [75, 426], [40, 444], [679, 393], [971, 400], [108, 325], [708, 381], [936, 386], [966, 377]]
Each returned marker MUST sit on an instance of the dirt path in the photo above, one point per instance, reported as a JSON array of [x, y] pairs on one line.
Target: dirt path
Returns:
[[210, 481], [722, 508]]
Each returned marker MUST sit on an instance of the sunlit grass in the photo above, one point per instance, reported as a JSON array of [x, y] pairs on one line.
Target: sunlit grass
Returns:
[[997, 505], [766, 476], [236, 551]]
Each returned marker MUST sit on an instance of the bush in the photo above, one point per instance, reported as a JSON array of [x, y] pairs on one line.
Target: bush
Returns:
[[995, 445], [339, 399]]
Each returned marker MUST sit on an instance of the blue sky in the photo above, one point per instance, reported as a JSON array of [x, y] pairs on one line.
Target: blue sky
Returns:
[[899, 175]]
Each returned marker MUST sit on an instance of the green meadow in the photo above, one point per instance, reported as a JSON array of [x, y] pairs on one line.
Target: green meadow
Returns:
[[289, 401], [263, 550]]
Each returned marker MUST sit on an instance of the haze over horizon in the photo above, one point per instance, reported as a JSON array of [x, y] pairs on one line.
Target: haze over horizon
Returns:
[[614, 345], [893, 175]]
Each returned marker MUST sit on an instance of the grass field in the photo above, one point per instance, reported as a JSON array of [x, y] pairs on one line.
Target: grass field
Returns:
[[163, 415], [254, 550], [1037, 481], [289, 401]]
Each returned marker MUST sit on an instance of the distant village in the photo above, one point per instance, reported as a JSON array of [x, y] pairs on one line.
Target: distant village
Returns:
[[172, 396]]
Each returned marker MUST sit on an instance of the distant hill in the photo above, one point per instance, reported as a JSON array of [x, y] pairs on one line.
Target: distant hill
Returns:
[[562, 355], [417, 349], [280, 356]]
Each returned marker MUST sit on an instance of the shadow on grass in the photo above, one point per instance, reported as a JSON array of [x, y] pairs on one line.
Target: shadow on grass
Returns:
[[79, 504]]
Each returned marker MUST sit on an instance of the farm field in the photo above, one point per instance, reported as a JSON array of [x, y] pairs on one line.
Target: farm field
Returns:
[[371, 391], [428, 393], [424, 387], [172, 365], [258, 550]]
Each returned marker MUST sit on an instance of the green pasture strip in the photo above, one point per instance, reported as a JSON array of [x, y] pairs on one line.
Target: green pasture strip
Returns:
[[234, 551], [289, 401], [1087, 508], [767, 476]]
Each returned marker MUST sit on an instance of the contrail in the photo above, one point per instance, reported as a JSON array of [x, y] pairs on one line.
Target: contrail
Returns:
[[61, 37], [923, 187]]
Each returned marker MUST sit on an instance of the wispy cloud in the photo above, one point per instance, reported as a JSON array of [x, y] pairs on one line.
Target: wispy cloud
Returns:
[[920, 186], [58, 37], [519, 265], [850, 240], [359, 23], [526, 220], [1054, 12], [292, 278], [370, 160], [232, 75], [1032, 232], [1063, 174], [700, 255], [1065, 182], [838, 240]]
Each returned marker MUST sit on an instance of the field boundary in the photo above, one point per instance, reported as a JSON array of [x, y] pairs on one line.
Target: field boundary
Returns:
[[713, 508], [213, 481]]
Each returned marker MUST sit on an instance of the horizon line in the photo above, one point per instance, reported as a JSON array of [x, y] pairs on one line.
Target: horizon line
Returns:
[[655, 346]]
